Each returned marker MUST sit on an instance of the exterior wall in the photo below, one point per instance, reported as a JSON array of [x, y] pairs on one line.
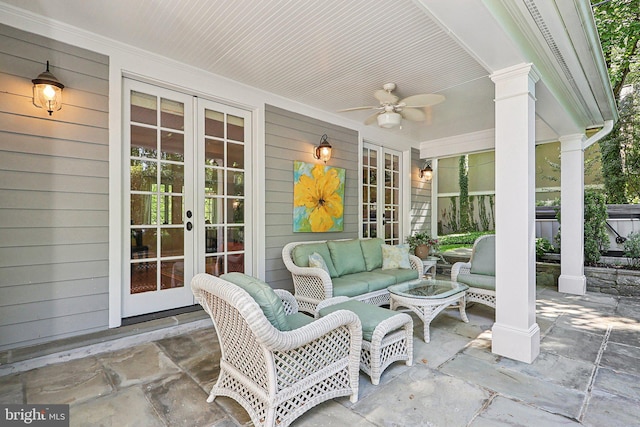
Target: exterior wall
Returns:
[[420, 212], [53, 193], [290, 136]]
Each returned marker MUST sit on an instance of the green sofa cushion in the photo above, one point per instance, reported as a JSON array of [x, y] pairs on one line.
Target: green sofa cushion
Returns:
[[346, 256], [372, 252], [375, 281], [348, 288], [300, 255], [395, 256], [400, 274], [478, 281], [298, 320], [262, 293], [370, 315], [484, 256]]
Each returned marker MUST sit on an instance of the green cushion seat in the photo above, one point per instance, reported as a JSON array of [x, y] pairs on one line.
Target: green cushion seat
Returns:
[[301, 254], [400, 275], [478, 281], [347, 256], [348, 288], [262, 294], [374, 281], [370, 315]]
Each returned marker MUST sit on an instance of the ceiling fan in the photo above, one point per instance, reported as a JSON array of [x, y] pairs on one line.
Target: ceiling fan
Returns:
[[391, 111]]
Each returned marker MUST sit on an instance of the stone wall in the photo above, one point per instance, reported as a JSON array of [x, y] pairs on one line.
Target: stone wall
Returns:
[[612, 281]]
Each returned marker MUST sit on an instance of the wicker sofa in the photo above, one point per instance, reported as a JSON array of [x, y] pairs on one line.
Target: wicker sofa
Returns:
[[354, 268], [480, 272], [276, 362]]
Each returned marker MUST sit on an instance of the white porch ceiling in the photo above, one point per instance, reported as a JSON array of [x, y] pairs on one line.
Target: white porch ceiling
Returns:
[[329, 54]]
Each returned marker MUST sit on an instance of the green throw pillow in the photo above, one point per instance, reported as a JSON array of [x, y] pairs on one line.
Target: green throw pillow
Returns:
[[372, 251], [395, 256], [301, 252], [262, 294], [346, 256]]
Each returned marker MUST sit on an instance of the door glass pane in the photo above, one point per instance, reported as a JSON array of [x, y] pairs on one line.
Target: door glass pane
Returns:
[[235, 155], [143, 142], [171, 274], [214, 152], [143, 175], [172, 114], [143, 243], [214, 123], [171, 209], [172, 178], [235, 128], [235, 211], [143, 209], [144, 276], [236, 184], [143, 108], [213, 210], [172, 146], [172, 242]]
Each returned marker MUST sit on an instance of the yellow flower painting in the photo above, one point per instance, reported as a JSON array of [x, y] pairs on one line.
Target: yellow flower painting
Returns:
[[318, 198]]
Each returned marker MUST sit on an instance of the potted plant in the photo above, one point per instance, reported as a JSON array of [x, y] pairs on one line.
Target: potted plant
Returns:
[[421, 243]]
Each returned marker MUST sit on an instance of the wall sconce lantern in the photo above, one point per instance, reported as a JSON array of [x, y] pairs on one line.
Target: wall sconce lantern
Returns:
[[426, 172], [47, 91], [323, 151]]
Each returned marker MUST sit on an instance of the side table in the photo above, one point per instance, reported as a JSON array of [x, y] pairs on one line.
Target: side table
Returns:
[[429, 264]]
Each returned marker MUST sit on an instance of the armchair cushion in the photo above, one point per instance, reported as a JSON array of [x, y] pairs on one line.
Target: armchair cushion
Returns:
[[395, 256], [301, 256], [298, 320], [264, 296], [483, 260], [346, 256], [372, 252], [344, 287], [478, 281]]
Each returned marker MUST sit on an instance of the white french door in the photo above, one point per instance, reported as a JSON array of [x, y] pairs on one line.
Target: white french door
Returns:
[[381, 193], [184, 194]]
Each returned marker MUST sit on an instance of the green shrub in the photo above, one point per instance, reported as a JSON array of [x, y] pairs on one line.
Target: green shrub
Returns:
[[462, 239], [543, 246], [632, 249], [595, 230]]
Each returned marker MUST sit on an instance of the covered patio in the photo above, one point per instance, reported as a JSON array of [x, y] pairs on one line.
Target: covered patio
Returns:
[[586, 374]]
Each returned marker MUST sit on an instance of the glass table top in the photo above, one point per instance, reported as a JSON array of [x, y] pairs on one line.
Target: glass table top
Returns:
[[428, 289]]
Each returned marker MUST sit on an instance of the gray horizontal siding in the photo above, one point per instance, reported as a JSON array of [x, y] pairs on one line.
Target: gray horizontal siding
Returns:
[[289, 137], [54, 183], [420, 197]]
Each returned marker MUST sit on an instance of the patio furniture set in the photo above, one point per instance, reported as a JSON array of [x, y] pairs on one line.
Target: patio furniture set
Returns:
[[278, 362]]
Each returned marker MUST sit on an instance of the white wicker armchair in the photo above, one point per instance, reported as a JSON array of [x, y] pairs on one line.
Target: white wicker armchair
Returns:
[[278, 375], [486, 296]]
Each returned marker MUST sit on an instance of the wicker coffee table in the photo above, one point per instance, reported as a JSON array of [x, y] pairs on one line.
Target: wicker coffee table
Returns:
[[427, 298]]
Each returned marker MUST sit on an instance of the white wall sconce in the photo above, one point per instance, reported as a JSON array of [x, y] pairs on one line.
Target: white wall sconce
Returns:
[[47, 91], [323, 151], [426, 172]]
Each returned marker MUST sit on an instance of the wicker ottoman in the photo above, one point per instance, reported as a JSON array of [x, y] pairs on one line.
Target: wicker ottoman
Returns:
[[387, 336]]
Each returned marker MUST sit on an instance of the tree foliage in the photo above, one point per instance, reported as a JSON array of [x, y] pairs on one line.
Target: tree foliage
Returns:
[[463, 180], [618, 23]]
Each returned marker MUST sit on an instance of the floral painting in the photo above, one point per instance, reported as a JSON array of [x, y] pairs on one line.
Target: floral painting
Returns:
[[318, 198]]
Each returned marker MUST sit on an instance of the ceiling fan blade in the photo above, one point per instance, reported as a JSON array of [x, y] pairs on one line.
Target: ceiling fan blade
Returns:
[[358, 108], [423, 100], [413, 114], [385, 97], [371, 119]]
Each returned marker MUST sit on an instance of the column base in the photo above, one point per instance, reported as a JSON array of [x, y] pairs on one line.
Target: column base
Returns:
[[518, 344], [576, 285]]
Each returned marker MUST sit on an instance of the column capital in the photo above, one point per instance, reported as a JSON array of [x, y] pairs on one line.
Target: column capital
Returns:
[[516, 71]]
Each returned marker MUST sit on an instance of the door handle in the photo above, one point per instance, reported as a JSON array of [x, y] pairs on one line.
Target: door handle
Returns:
[[189, 226]]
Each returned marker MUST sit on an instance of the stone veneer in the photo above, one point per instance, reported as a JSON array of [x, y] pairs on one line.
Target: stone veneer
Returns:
[[612, 281]]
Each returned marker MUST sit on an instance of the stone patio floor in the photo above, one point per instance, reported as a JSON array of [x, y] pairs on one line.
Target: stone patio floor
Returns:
[[587, 373]]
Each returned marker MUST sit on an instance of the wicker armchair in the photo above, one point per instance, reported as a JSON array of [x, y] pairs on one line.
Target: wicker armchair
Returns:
[[278, 375], [482, 287]]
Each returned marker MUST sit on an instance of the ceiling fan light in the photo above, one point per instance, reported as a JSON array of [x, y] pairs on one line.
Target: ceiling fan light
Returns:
[[389, 120]]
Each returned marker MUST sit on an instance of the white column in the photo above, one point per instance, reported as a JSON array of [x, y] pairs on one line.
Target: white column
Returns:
[[515, 334], [572, 279]]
